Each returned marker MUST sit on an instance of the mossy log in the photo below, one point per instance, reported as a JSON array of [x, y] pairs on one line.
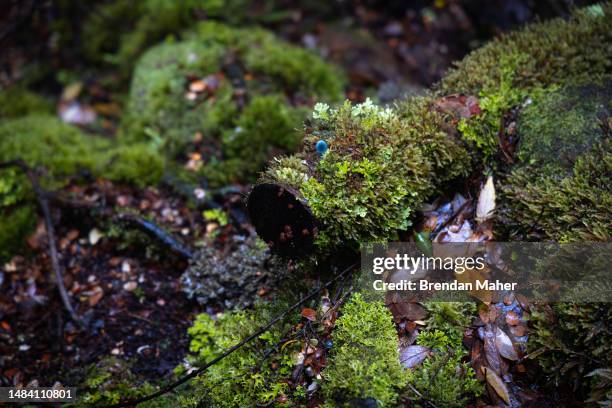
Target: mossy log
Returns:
[[383, 163], [380, 164]]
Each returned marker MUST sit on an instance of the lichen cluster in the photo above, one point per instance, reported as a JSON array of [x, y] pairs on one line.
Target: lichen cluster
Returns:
[[256, 90]]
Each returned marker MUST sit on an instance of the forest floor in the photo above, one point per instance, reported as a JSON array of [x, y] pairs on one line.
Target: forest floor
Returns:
[[126, 286]]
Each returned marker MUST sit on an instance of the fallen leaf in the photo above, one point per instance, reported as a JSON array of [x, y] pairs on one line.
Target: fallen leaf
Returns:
[[96, 296], [309, 314], [94, 236], [130, 286], [504, 345], [497, 384], [412, 356], [486, 201], [491, 352]]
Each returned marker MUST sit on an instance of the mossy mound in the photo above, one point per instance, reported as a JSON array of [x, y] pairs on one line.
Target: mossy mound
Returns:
[[508, 71], [364, 363], [60, 151], [560, 189], [445, 376], [553, 52], [251, 97], [572, 343], [147, 22], [380, 166], [17, 101]]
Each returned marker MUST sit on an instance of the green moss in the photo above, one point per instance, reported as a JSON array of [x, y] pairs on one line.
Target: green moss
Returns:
[[17, 101], [520, 65], [254, 374], [572, 341], [364, 362], [567, 209], [246, 117], [60, 151], [563, 125], [553, 52], [138, 164], [110, 381], [445, 377], [146, 22], [380, 166]]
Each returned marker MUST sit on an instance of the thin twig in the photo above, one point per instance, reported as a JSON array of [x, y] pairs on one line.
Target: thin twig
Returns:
[[41, 197], [152, 229], [254, 335]]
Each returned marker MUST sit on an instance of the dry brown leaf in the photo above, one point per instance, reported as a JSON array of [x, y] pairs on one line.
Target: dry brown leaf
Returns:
[[497, 384], [309, 314]]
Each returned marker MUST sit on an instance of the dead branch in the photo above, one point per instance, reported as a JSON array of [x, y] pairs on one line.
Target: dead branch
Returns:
[[43, 202]]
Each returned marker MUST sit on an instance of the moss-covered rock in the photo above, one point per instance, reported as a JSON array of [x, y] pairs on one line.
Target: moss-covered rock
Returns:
[[508, 71], [560, 189], [572, 344], [557, 127], [380, 166], [553, 52], [250, 99], [61, 151], [364, 363], [231, 279]]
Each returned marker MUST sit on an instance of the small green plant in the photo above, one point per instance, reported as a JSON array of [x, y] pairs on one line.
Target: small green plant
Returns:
[[365, 361], [216, 215], [445, 377], [572, 343]]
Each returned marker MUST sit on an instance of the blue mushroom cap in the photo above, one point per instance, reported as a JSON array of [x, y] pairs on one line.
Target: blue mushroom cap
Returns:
[[321, 146]]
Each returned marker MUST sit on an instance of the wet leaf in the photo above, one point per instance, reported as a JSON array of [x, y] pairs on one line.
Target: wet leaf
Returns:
[[412, 356], [403, 309], [309, 314], [491, 352], [497, 384], [486, 201], [504, 345]]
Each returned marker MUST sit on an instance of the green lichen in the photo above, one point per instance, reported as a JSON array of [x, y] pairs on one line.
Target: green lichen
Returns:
[[248, 117], [381, 164], [572, 343], [255, 374], [364, 362], [445, 377], [17, 101]]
